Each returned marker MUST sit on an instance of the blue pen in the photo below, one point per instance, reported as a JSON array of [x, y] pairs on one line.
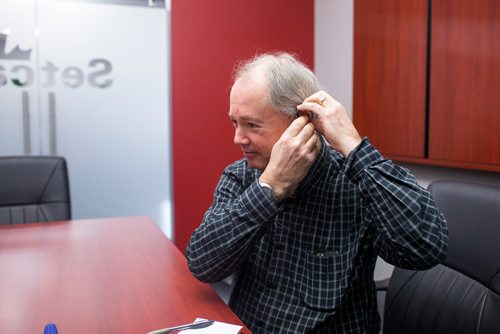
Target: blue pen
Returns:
[[50, 329]]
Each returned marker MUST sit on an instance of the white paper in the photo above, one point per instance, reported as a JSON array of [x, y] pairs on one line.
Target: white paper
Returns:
[[215, 328]]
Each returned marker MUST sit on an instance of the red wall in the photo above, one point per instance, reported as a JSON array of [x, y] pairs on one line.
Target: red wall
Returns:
[[208, 37]]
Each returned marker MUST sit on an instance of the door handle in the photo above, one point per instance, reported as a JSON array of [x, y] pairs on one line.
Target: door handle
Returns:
[[26, 123], [52, 124]]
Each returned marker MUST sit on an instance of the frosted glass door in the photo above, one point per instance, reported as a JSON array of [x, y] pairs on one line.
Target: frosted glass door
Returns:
[[99, 95], [105, 106]]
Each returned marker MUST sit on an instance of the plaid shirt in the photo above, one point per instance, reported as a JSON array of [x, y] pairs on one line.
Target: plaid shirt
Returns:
[[305, 265]]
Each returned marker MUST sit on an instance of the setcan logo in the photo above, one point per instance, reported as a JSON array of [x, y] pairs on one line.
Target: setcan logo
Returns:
[[17, 53], [18, 70], [96, 74]]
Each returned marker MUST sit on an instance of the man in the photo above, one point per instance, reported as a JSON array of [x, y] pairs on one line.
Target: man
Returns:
[[301, 219]]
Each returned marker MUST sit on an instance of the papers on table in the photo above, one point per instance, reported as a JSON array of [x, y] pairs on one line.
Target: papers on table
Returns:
[[215, 328]]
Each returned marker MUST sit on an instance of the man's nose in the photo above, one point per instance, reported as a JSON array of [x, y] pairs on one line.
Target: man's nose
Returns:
[[240, 137]]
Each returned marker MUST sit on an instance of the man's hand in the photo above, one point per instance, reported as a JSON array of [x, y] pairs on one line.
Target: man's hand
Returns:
[[332, 121], [291, 157]]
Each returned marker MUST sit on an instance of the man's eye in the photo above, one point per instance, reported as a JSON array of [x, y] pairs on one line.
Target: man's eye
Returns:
[[252, 125]]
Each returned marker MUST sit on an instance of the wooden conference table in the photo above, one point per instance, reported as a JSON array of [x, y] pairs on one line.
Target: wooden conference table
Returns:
[[119, 275]]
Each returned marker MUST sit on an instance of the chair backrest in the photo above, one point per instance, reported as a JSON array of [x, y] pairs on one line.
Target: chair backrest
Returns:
[[461, 295], [33, 189]]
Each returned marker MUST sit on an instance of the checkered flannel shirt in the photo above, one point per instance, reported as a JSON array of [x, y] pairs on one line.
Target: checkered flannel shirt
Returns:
[[305, 265]]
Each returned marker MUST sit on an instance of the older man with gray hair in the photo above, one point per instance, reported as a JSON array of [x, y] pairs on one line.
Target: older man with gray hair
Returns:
[[301, 219]]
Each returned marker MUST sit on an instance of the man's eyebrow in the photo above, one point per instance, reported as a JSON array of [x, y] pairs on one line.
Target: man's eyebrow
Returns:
[[246, 118], [250, 119]]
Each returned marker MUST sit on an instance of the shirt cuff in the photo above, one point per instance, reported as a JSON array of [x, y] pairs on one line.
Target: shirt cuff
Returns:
[[260, 206], [361, 158]]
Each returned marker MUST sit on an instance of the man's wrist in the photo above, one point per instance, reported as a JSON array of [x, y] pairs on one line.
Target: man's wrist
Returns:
[[350, 146], [268, 189]]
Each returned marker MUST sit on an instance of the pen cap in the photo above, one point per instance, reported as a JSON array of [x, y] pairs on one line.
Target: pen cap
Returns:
[[50, 329]]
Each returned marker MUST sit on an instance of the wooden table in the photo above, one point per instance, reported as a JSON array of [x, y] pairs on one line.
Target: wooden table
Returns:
[[119, 275]]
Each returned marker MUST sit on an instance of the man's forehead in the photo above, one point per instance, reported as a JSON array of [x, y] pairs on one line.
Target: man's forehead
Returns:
[[248, 100]]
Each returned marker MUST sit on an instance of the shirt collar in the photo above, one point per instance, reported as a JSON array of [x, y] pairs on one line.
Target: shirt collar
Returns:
[[319, 168]]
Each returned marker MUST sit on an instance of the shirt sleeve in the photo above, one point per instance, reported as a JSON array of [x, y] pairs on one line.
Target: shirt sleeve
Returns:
[[228, 229], [410, 232]]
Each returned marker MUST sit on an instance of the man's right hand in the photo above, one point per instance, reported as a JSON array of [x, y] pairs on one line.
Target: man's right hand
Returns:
[[291, 157]]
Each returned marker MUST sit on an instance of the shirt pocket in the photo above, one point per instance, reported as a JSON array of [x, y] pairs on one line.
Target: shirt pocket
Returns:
[[326, 280]]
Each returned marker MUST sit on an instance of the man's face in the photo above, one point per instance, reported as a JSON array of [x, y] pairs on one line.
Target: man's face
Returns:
[[257, 127]]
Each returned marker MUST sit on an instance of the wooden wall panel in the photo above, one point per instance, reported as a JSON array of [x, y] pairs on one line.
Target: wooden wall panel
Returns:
[[465, 82], [390, 43]]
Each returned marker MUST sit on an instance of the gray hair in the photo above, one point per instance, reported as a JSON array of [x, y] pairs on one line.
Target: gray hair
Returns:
[[289, 81]]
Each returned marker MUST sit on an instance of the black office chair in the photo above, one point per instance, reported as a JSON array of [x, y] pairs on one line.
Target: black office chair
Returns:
[[33, 189], [461, 295]]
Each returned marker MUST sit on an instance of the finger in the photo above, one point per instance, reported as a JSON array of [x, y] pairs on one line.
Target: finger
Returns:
[[311, 143], [296, 126], [305, 134], [311, 109], [320, 98]]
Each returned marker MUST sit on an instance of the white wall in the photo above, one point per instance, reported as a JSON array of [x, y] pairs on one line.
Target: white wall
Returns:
[[334, 21], [333, 48]]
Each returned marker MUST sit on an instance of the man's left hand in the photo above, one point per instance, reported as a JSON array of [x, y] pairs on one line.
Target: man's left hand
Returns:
[[331, 120]]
